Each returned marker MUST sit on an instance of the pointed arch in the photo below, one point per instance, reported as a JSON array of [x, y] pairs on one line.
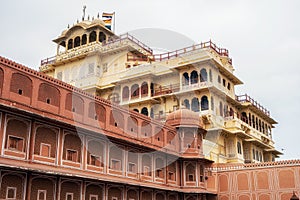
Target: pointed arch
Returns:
[[77, 42], [186, 103], [83, 39], [135, 91], [70, 44], [125, 93], [185, 79], [195, 104], [144, 89], [204, 103], [144, 111], [92, 37], [194, 77], [190, 175], [203, 75], [102, 37]]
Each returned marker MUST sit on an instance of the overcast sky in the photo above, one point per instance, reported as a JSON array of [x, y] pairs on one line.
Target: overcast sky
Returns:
[[263, 38]]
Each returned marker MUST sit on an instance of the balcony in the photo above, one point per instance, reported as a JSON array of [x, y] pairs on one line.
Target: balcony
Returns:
[[167, 89], [180, 52], [173, 88], [236, 125], [247, 99], [106, 46]]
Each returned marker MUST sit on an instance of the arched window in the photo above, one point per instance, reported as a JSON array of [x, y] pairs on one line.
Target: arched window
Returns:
[[145, 111], [210, 75], [194, 77], [204, 103], [256, 123], [219, 79], [77, 41], [186, 103], [144, 89], [159, 168], [63, 45], [203, 75], [185, 79], [190, 173], [21, 84], [253, 121], [146, 165], [226, 110], [195, 104], [244, 117], [70, 44], [260, 157], [259, 125], [212, 103], [250, 121], [136, 110], [152, 89], [49, 94], [93, 36], [125, 93], [239, 148], [84, 39], [135, 91], [102, 37], [221, 108], [231, 112]]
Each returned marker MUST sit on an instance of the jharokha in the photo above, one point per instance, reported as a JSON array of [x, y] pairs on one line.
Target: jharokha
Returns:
[[106, 118]]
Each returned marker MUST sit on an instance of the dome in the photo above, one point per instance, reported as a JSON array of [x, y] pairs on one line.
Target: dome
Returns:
[[184, 117]]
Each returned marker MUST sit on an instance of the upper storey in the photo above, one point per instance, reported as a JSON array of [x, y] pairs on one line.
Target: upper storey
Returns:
[[83, 33], [89, 38]]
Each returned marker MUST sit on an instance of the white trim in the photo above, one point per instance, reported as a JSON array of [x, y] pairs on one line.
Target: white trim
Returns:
[[97, 157], [42, 191], [188, 178], [67, 150], [93, 196], [15, 192], [111, 164], [134, 165], [71, 194], [49, 151], [56, 130], [147, 170], [15, 149]]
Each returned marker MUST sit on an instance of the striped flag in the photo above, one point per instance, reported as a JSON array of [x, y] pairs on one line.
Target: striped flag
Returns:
[[107, 21], [108, 15]]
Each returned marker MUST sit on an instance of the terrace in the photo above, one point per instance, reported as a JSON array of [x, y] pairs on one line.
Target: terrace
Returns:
[[247, 99]]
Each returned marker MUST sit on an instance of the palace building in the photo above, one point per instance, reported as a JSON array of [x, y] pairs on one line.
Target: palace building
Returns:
[[125, 71], [106, 118]]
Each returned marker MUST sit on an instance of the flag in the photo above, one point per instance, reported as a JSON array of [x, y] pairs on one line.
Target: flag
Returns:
[[108, 15], [107, 21]]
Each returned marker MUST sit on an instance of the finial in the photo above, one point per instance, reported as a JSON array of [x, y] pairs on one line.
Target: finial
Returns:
[[68, 26], [88, 17], [93, 18], [98, 16], [83, 16], [77, 21]]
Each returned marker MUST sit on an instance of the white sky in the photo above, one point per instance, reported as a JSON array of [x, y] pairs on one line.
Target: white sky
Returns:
[[263, 38]]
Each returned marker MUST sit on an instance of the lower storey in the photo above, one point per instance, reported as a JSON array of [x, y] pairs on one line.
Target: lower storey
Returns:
[[24, 185]]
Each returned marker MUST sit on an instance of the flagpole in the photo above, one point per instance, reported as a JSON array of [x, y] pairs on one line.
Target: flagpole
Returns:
[[114, 22]]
